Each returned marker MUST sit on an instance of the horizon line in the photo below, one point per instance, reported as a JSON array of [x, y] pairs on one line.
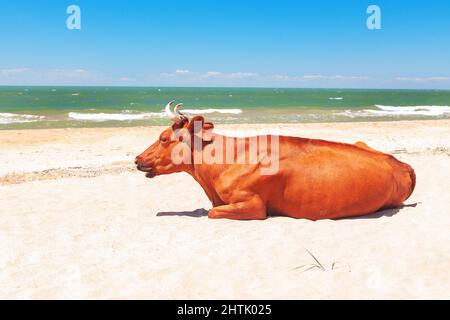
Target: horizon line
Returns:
[[215, 87]]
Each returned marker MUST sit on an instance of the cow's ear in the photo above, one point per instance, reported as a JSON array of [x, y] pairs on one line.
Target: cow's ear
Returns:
[[208, 126], [196, 123], [200, 121]]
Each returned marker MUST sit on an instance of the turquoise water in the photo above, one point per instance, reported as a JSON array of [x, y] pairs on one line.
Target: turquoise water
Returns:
[[60, 107]]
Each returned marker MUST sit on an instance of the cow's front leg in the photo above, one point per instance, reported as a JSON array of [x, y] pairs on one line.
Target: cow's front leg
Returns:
[[249, 208]]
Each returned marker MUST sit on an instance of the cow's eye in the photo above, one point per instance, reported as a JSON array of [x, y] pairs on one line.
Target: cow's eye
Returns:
[[163, 139]]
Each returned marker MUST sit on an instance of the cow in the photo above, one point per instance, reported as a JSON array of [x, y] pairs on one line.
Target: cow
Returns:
[[314, 179]]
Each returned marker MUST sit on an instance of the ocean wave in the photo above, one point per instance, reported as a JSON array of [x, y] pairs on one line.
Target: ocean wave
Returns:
[[335, 98], [411, 110], [430, 111], [124, 116], [129, 115], [206, 111], [9, 118]]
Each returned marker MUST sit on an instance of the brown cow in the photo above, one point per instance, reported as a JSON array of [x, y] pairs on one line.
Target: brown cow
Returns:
[[315, 179]]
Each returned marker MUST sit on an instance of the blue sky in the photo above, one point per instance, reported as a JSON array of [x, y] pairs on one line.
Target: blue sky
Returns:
[[226, 43]]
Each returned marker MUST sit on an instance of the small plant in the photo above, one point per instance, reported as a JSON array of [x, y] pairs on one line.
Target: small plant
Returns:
[[318, 265]]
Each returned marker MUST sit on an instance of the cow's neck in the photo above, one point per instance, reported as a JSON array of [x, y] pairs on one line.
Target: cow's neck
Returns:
[[206, 175]]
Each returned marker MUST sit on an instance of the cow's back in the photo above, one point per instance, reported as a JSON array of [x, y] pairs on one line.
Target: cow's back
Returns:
[[326, 180]]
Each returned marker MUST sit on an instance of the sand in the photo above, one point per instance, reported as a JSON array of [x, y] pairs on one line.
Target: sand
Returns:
[[77, 221]]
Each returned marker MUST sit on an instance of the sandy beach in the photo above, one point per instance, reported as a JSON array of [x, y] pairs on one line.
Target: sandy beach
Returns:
[[78, 221]]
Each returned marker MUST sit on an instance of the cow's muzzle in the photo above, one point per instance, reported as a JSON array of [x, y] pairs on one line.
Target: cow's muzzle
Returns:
[[149, 170]]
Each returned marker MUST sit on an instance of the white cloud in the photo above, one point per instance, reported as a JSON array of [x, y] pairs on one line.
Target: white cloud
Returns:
[[209, 74], [212, 74], [247, 78], [127, 79], [241, 75], [334, 77], [177, 73], [167, 75], [187, 76], [5, 73], [313, 77], [281, 77], [422, 80], [182, 72], [27, 76]]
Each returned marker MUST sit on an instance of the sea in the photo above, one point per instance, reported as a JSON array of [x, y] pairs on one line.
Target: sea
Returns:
[[78, 107]]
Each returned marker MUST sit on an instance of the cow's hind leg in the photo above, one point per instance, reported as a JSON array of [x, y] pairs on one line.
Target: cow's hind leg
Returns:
[[250, 208]]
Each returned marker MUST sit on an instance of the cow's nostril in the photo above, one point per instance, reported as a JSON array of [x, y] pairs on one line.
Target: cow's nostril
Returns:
[[138, 160]]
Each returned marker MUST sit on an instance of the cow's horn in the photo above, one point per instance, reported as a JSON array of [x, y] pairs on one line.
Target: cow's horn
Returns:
[[169, 112], [177, 112]]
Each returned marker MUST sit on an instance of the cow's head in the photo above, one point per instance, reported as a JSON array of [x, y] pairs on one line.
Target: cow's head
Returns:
[[158, 158]]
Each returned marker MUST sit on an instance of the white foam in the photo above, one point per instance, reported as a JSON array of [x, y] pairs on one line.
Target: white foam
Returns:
[[354, 113], [335, 98], [245, 133], [124, 116], [411, 110], [9, 118], [128, 115], [206, 111], [430, 111]]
